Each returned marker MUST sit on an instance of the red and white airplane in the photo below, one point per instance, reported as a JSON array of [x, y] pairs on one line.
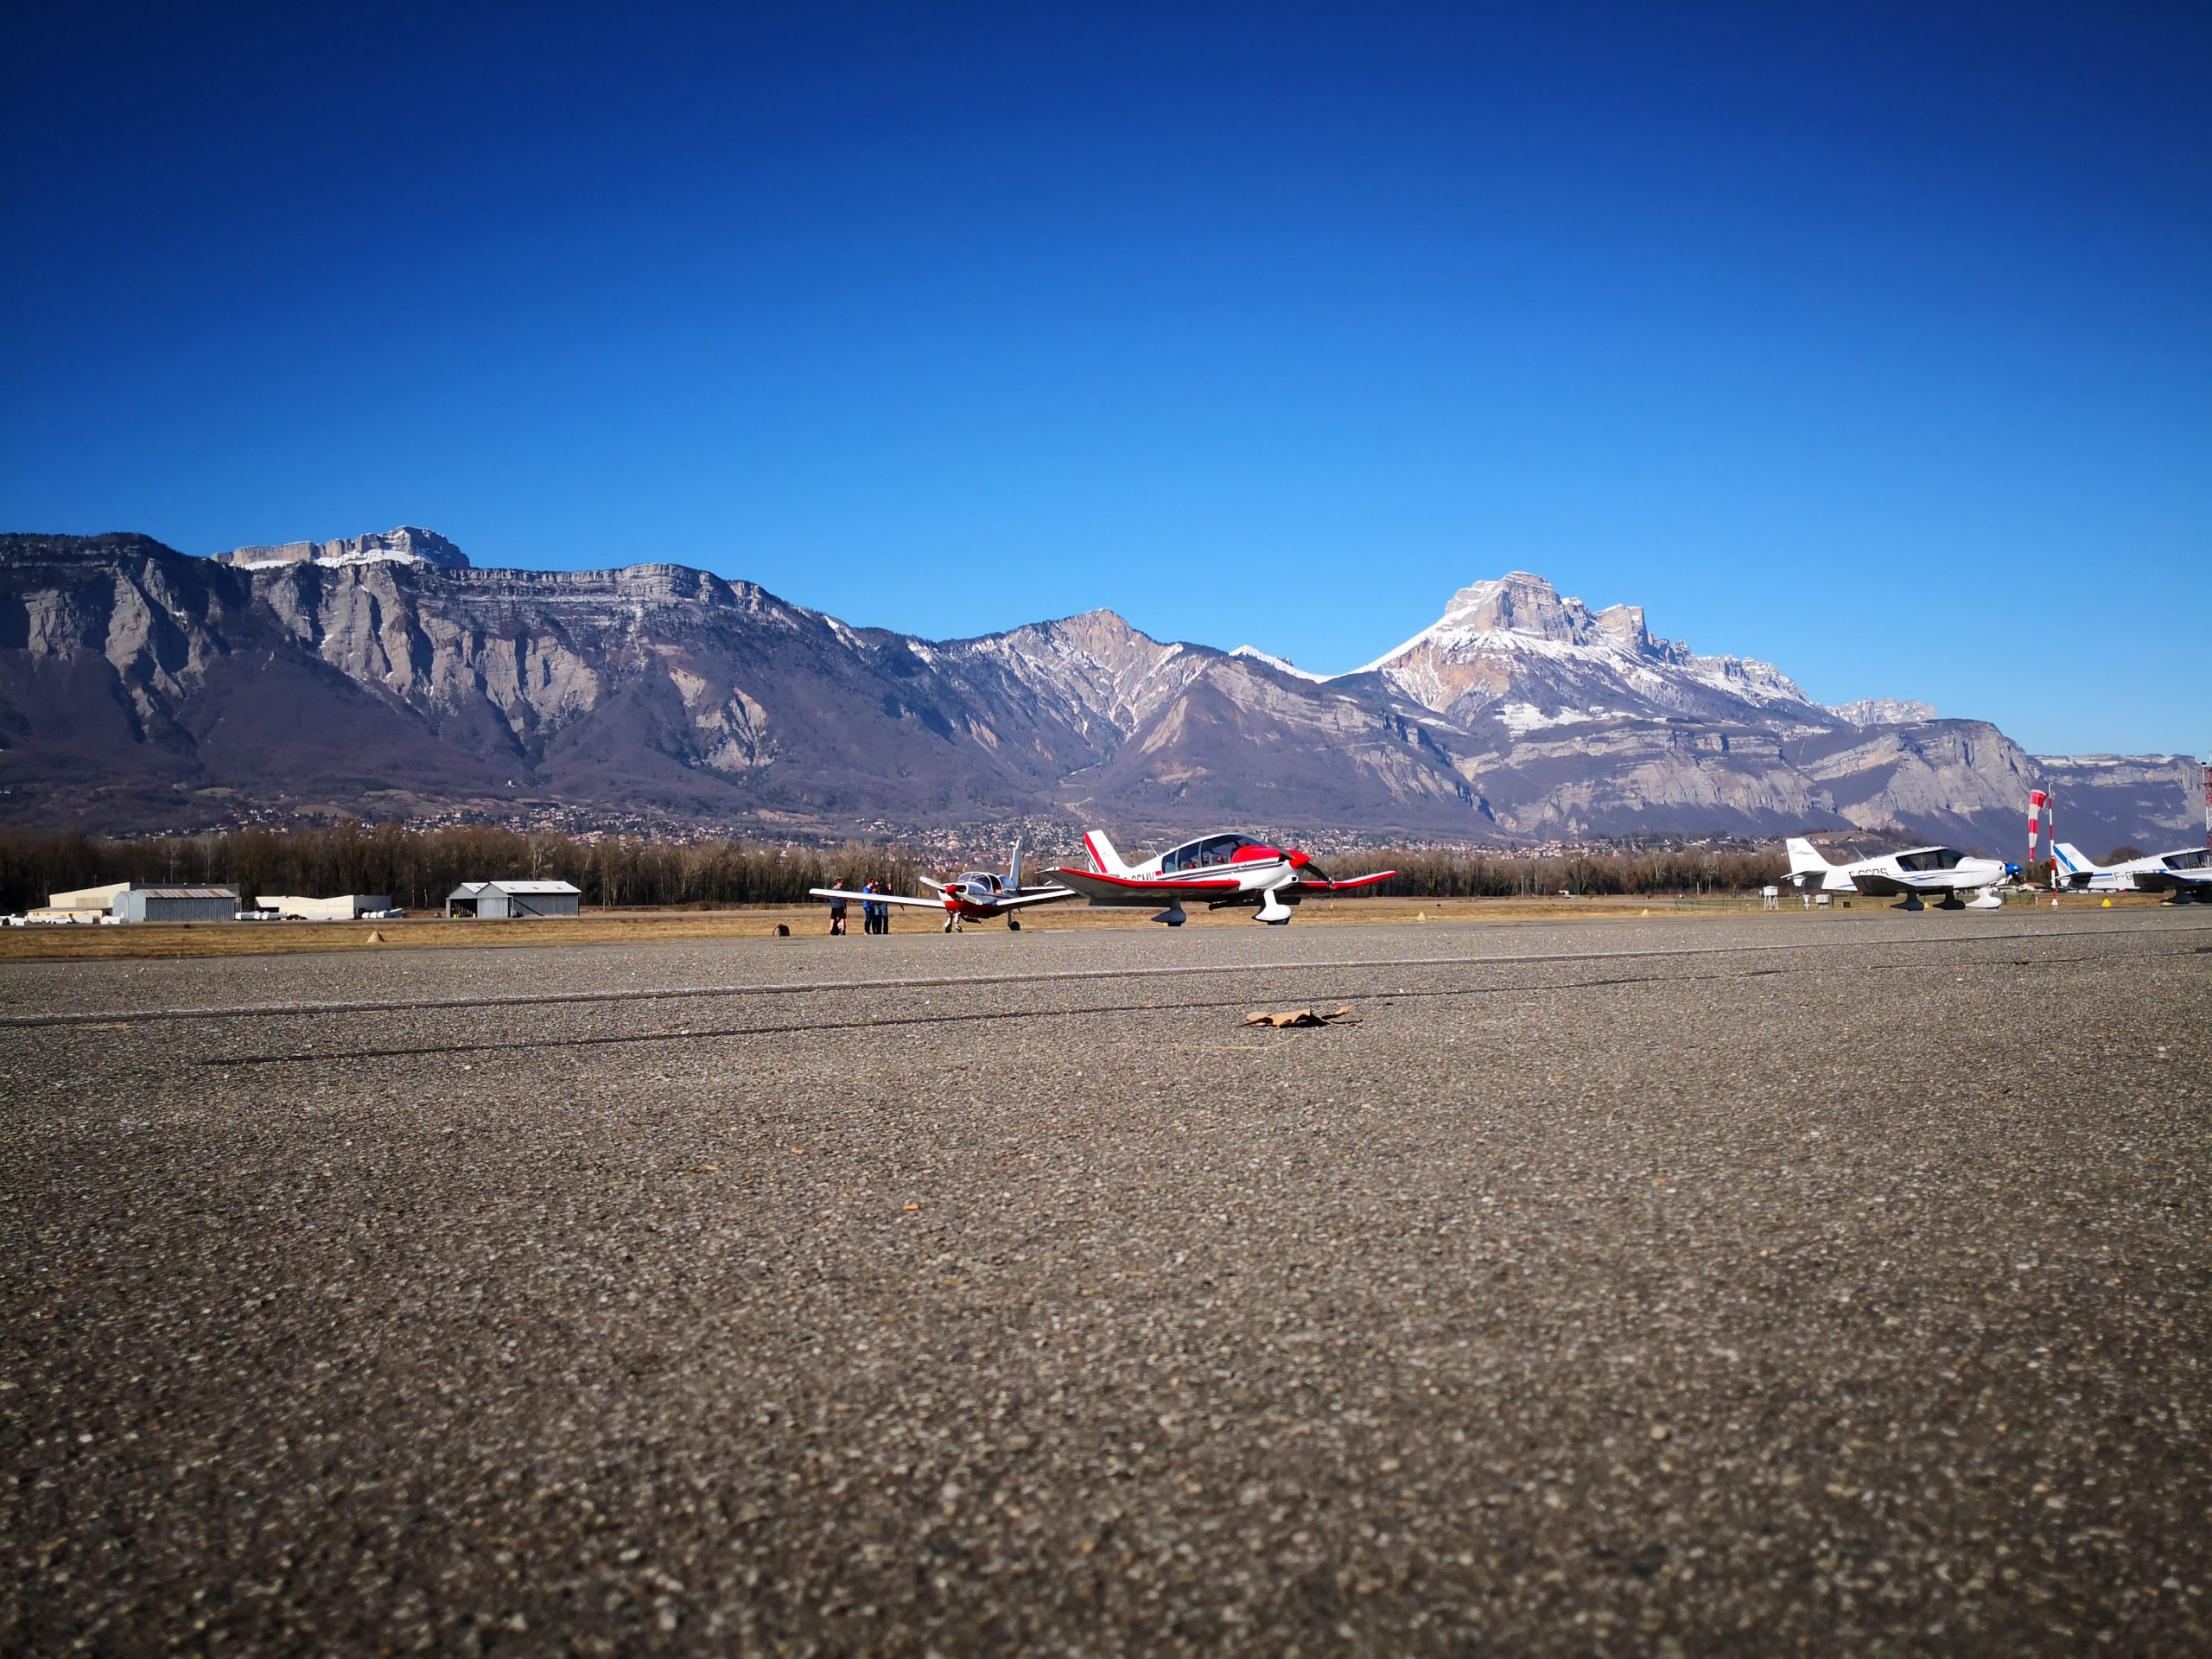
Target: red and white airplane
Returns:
[[1219, 871]]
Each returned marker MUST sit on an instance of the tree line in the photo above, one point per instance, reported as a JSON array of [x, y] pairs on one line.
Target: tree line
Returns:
[[1451, 874], [419, 867]]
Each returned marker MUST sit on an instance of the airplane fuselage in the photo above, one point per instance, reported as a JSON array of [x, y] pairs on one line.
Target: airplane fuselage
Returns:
[[1941, 871], [1224, 870], [2186, 870], [1216, 871]]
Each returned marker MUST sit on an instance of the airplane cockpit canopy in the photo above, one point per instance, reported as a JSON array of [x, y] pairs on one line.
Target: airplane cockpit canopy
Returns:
[[1930, 858], [2195, 858], [1210, 850], [982, 879]]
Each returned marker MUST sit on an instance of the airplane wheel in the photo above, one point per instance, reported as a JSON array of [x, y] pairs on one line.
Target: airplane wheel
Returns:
[[948, 924], [1175, 921], [1013, 923]]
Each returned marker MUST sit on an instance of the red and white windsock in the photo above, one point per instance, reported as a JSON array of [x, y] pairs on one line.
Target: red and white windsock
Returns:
[[2037, 801]]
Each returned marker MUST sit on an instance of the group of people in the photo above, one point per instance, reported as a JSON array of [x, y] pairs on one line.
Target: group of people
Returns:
[[875, 918]]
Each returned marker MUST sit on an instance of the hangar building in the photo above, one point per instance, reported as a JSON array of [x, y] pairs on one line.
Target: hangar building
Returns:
[[511, 899], [89, 897], [176, 905]]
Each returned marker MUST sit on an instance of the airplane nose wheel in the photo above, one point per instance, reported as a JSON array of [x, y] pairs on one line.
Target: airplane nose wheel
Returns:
[[1013, 923]]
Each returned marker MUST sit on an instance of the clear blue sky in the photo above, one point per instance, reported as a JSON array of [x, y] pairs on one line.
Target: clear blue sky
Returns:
[[1253, 323]]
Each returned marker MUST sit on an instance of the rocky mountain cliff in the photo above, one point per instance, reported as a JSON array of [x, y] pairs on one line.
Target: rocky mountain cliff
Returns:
[[142, 689]]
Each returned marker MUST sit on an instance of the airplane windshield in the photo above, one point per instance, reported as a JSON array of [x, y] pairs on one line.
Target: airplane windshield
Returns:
[[1204, 854], [2196, 859], [1932, 858]]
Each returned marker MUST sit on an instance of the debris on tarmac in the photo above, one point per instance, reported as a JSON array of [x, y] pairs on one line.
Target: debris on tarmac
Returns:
[[1295, 1017]]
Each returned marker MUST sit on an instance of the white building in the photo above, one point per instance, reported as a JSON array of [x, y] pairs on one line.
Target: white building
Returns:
[[347, 908]]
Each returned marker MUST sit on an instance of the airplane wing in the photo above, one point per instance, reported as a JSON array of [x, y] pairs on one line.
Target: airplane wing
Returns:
[[1308, 884], [875, 898], [1139, 890], [1034, 896]]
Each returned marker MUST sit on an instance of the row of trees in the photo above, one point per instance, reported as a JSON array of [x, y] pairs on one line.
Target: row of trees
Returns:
[[1454, 874], [419, 867]]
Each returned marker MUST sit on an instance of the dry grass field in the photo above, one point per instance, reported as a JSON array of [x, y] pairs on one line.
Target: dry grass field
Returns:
[[157, 940]]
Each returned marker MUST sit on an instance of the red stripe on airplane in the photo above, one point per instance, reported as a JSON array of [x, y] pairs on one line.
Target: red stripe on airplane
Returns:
[[1157, 881]]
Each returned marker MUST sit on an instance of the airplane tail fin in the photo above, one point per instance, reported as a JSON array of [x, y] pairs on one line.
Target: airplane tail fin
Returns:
[[1803, 859], [1014, 870], [1104, 859], [2071, 860]]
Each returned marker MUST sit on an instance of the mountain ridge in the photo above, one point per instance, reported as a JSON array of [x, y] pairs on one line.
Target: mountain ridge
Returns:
[[145, 689]]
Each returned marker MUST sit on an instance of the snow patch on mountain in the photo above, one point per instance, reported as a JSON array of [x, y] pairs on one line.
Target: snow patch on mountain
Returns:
[[408, 544], [1883, 711]]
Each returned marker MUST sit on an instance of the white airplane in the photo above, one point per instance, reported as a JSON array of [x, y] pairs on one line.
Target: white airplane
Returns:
[[2186, 873], [1914, 872], [1221, 871], [971, 896]]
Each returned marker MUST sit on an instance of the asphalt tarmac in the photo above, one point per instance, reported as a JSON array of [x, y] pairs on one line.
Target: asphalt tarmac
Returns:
[[1746, 1286]]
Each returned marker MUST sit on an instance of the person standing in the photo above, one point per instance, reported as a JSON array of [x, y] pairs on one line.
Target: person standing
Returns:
[[837, 909]]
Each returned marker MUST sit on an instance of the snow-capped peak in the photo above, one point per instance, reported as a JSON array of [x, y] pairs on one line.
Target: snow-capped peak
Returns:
[[1282, 663], [1516, 637]]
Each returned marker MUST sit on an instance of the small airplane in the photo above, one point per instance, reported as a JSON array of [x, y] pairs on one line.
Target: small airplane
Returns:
[[2186, 873], [971, 896], [1916, 871], [1221, 871]]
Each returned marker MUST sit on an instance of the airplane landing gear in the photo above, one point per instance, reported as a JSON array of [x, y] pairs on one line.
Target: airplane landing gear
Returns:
[[1013, 923], [1274, 912], [1173, 916], [1912, 902]]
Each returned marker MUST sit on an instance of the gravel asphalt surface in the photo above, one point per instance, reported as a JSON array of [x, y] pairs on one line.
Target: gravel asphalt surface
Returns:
[[1750, 1285]]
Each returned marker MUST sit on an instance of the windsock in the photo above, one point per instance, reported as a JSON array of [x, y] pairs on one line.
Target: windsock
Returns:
[[2037, 800]]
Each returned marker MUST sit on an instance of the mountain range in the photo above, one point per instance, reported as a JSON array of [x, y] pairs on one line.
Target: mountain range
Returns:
[[142, 689]]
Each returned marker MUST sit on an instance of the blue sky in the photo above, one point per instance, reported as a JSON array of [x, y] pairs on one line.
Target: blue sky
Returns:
[[1874, 340]]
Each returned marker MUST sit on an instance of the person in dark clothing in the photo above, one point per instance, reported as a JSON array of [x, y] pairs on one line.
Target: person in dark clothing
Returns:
[[837, 909], [871, 912]]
